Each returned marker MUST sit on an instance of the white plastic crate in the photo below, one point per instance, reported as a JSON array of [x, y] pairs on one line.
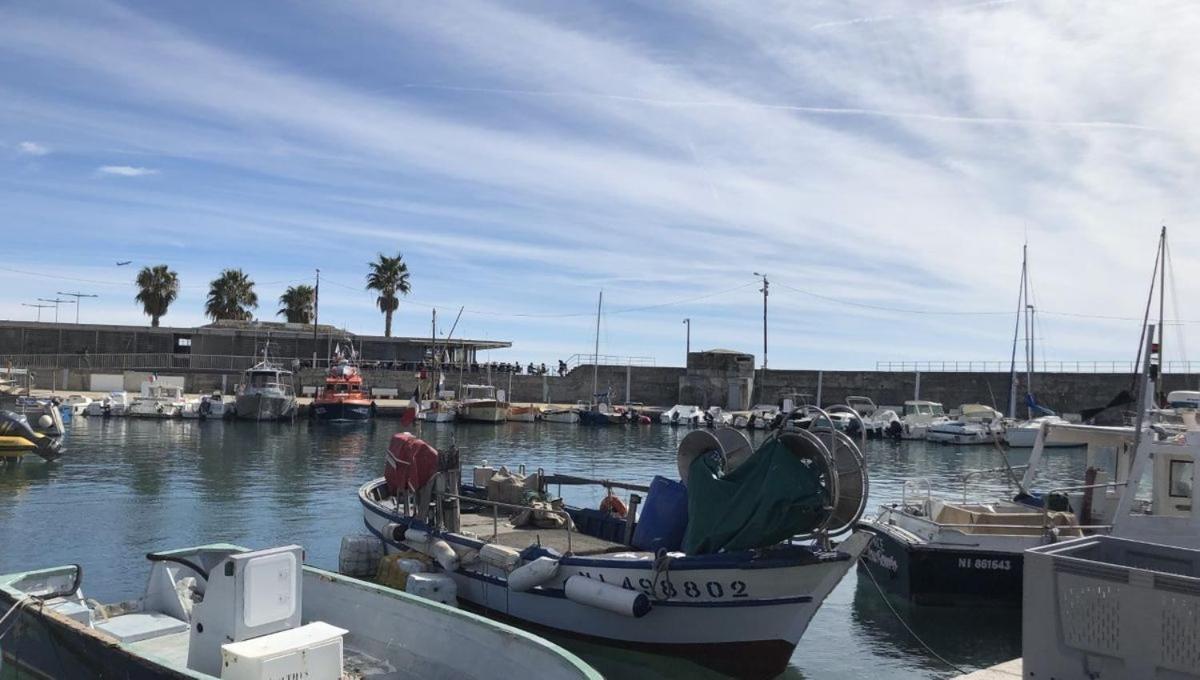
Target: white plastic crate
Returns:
[[436, 587], [310, 651]]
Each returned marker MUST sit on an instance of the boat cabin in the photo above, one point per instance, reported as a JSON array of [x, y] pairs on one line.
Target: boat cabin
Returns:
[[916, 407]]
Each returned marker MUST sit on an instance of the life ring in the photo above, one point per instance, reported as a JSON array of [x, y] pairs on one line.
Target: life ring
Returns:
[[613, 505]]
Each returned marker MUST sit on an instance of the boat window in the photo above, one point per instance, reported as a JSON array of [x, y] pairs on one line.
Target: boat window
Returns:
[[924, 409], [937, 410], [341, 388], [1181, 479]]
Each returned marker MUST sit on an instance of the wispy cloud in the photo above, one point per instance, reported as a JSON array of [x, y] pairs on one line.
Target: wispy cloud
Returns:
[[32, 149], [125, 170]]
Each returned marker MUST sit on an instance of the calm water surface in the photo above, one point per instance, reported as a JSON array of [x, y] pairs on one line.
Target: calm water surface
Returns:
[[127, 487]]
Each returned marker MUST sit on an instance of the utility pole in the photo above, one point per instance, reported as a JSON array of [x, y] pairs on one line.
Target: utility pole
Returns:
[[316, 315], [688, 323], [78, 297], [766, 286], [39, 309], [56, 302]]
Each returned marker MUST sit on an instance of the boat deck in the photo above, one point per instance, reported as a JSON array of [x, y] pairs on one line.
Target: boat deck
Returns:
[[523, 537]]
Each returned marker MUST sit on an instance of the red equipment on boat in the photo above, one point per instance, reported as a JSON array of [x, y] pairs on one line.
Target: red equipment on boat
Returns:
[[411, 463]]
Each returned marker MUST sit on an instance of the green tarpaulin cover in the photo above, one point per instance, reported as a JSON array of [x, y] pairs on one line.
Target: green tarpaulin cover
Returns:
[[772, 496]]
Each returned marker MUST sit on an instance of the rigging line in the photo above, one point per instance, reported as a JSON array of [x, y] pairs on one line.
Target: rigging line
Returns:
[[1170, 272], [904, 623], [902, 310]]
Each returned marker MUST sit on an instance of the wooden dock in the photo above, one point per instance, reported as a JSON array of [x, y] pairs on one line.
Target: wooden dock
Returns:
[[1004, 671]]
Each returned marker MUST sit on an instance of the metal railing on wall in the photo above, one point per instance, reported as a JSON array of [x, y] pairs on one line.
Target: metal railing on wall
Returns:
[[1039, 367], [607, 360]]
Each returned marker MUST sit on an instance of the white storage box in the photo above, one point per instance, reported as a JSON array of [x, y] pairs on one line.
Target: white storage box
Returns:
[[310, 651], [436, 587]]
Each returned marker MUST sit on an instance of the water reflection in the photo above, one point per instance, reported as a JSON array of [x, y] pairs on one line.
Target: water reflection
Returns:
[[129, 486]]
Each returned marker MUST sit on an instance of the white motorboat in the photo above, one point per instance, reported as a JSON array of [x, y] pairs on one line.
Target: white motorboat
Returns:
[[560, 415], [683, 414], [43, 415], [115, 404], [976, 424], [918, 416], [210, 406], [157, 400], [220, 611], [669, 585], [77, 404], [439, 411], [481, 405], [268, 392]]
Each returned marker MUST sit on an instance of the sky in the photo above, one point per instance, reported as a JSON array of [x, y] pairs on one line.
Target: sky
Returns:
[[881, 162]]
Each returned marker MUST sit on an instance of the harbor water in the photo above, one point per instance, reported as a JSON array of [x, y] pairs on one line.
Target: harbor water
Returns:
[[127, 487]]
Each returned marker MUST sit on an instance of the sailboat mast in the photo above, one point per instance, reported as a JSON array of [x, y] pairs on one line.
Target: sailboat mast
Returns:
[[1012, 366], [1162, 284], [596, 351], [1028, 340]]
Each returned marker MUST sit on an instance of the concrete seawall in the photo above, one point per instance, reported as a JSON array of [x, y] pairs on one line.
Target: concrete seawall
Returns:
[[664, 386]]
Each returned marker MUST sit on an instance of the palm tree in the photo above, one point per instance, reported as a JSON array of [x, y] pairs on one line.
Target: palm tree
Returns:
[[231, 296], [158, 287], [389, 275], [297, 304]]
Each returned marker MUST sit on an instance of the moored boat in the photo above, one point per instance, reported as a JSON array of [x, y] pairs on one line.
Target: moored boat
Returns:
[[157, 400], [208, 407], [344, 396], [220, 611], [115, 405], [680, 581], [481, 405], [560, 415], [439, 411], [17, 438], [267, 393], [524, 414], [977, 424]]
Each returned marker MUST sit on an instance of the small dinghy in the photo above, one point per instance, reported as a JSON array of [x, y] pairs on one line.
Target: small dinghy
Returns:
[[725, 568], [220, 611], [17, 438]]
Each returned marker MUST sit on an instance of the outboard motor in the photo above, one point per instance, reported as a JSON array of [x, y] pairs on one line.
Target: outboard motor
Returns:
[[15, 425], [894, 430]]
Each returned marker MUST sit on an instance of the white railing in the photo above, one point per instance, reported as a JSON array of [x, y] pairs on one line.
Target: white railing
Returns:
[[1175, 367], [607, 360]]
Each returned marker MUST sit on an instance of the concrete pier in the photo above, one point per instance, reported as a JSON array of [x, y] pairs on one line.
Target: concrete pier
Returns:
[[1009, 670]]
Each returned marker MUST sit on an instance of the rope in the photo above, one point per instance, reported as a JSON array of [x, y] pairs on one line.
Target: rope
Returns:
[[662, 566], [16, 605], [908, 628]]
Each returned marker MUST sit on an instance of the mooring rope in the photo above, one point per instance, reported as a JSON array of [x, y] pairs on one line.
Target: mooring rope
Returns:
[[907, 627], [16, 605]]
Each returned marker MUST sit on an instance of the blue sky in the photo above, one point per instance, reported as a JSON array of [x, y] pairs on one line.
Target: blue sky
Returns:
[[886, 156]]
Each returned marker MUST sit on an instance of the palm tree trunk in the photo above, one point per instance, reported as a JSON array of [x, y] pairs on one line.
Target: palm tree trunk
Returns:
[[387, 324], [154, 321]]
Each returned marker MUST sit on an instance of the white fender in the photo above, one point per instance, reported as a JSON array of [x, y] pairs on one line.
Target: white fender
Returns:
[[532, 574], [606, 596], [434, 547]]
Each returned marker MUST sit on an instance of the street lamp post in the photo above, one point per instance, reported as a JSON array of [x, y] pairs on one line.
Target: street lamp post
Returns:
[[78, 297], [766, 286], [39, 309], [688, 322], [56, 302]]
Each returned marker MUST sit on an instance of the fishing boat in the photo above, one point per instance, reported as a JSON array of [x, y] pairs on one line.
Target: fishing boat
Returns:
[[481, 405], [17, 438], [524, 414], [157, 400], [115, 405], [919, 416], [343, 397], [560, 415], [689, 578], [941, 551], [976, 424], [221, 611], [267, 393], [439, 411]]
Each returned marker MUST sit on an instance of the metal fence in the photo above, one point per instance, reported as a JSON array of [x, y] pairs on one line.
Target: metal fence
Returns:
[[1039, 367]]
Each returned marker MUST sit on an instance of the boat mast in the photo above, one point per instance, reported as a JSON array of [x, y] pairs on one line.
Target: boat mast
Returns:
[[596, 351], [1012, 368]]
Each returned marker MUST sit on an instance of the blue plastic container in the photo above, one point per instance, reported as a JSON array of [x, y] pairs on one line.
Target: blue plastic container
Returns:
[[664, 517]]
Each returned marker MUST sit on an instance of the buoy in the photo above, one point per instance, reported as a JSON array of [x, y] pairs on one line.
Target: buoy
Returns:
[[45, 422], [613, 505], [533, 574], [607, 596]]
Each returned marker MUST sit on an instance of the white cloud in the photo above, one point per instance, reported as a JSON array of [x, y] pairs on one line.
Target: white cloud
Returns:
[[32, 149], [126, 170]]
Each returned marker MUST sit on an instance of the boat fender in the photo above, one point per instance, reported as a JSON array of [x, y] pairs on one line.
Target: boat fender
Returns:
[[532, 574], [501, 556], [616, 599], [436, 548]]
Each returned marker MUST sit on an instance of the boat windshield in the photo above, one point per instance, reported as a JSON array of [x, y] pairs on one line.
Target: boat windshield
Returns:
[[936, 409], [263, 379]]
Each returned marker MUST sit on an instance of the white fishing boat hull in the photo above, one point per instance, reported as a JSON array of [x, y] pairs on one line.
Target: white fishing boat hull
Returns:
[[962, 435], [750, 618], [445, 416], [569, 416], [483, 413], [1023, 435], [151, 408]]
